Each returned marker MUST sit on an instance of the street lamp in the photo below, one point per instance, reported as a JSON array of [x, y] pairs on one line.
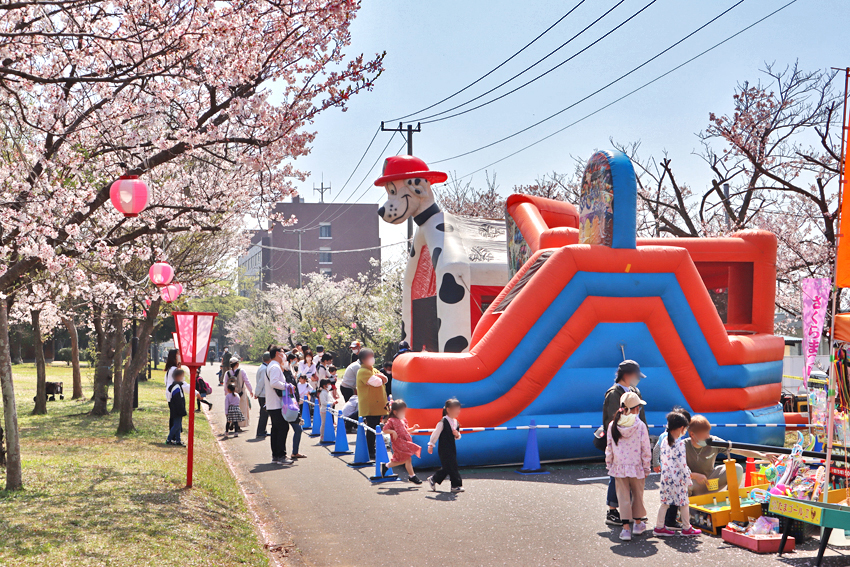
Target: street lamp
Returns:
[[129, 195], [194, 331]]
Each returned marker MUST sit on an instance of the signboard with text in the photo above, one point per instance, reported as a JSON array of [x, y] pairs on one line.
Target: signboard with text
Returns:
[[796, 510]]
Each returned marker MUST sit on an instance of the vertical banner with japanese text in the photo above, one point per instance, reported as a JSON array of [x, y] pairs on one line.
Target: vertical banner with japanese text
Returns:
[[815, 292]]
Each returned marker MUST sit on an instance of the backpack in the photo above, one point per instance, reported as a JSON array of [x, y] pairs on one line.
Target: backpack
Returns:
[[202, 386]]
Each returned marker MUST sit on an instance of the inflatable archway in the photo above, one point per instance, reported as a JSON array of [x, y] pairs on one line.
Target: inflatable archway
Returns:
[[697, 314]]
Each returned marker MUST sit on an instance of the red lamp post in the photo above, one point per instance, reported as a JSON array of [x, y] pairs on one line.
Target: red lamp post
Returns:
[[194, 331]]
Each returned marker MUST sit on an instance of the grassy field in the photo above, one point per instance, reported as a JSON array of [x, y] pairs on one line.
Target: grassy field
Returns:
[[92, 498]]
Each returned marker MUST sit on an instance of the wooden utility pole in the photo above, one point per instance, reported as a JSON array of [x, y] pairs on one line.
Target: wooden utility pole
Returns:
[[409, 130]]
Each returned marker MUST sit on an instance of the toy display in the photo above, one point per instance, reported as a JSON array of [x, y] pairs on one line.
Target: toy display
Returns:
[[548, 345], [711, 512], [456, 267]]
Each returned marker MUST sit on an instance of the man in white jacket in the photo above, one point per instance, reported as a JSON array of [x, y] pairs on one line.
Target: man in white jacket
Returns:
[[276, 382]]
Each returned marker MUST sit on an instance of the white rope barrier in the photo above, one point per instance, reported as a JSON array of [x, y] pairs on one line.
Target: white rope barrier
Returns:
[[330, 410]]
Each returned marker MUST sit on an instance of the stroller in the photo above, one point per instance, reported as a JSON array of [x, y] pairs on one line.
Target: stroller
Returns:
[[53, 389]]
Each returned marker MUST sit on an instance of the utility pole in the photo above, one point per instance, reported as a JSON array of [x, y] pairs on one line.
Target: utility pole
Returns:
[[401, 129], [321, 189]]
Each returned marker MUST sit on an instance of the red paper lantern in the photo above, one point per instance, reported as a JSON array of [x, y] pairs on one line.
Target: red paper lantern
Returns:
[[161, 274], [129, 195]]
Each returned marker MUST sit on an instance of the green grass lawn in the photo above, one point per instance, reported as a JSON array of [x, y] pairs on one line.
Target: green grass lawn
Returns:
[[91, 498]]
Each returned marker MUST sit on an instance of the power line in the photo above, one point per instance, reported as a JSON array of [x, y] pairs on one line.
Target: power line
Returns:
[[320, 215], [425, 119], [658, 78], [596, 92], [494, 69], [277, 249], [372, 141], [365, 177]]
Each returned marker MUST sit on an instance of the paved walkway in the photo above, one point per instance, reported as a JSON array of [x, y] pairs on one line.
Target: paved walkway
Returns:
[[334, 516]]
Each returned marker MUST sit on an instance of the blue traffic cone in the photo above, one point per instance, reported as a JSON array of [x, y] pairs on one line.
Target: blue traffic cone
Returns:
[[381, 458], [531, 464], [305, 415], [317, 420], [361, 451], [328, 431], [341, 447]]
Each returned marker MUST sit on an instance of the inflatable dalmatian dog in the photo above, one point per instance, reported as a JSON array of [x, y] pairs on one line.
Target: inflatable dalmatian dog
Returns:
[[457, 265]]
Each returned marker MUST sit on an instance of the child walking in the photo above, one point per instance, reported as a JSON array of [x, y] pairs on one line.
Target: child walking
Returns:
[[675, 477], [232, 411], [446, 433], [628, 455], [176, 395], [403, 446], [325, 398]]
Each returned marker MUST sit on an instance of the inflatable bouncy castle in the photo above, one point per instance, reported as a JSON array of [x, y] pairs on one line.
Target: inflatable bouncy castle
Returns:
[[584, 294]]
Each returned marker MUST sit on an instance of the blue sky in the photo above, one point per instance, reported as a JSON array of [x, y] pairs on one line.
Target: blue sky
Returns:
[[435, 48]]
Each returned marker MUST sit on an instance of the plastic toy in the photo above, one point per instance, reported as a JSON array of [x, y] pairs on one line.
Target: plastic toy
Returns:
[[548, 345]]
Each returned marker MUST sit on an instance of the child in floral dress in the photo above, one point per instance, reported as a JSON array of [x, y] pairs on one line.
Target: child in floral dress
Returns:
[[675, 477], [628, 455], [403, 446]]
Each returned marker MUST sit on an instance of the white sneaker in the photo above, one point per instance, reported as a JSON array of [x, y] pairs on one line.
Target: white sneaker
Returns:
[[626, 534], [431, 482], [458, 489], [640, 527]]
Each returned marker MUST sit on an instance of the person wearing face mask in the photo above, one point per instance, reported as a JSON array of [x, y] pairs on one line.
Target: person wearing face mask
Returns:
[[371, 396], [701, 457], [627, 378]]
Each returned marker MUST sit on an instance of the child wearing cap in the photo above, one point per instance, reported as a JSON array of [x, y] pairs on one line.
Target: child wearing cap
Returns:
[[628, 456]]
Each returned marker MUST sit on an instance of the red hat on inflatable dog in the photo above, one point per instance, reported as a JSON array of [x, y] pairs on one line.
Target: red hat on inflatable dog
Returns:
[[406, 167]]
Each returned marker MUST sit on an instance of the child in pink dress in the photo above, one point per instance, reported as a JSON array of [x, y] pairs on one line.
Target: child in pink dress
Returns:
[[628, 456], [403, 446]]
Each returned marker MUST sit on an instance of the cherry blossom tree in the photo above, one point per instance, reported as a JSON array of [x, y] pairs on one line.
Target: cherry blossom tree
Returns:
[[93, 90], [462, 198], [325, 311], [776, 155]]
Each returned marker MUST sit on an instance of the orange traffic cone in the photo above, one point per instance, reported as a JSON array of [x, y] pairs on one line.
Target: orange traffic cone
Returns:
[[748, 474]]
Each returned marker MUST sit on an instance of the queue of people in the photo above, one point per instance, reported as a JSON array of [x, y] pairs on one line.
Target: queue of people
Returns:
[[286, 378], [686, 463]]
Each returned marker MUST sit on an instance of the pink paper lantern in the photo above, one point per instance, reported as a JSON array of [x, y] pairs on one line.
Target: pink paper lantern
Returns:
[[171, 292], [161, 274], [313, 329], [354, 325], [129, 195], [327, 336]]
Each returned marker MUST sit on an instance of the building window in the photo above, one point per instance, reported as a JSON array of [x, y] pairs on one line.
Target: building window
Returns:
[[325, 272], [325, 257], [325, 230]]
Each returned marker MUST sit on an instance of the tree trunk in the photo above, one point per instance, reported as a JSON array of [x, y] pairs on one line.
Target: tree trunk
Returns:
[[125, 421], [103, 372], [75, 357], [40, 366], [118, 369], [10, 412]]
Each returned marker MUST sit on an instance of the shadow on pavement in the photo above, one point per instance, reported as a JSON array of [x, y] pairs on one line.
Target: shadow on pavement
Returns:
[[266, 467], [442, 496], [396, 490]]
